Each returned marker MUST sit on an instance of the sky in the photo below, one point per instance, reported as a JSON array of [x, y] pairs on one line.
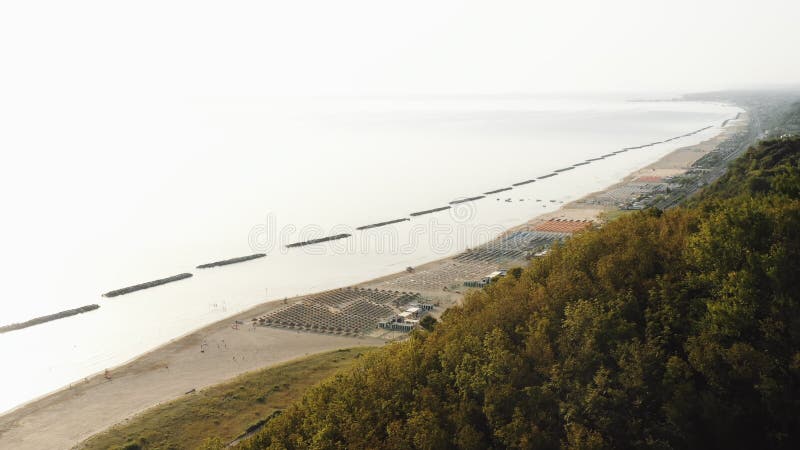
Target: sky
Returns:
[[99, 49], [101, 82]]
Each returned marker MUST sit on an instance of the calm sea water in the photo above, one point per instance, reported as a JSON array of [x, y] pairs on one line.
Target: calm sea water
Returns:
[[140, 190]]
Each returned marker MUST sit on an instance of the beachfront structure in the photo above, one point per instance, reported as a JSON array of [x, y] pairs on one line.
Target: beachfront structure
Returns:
[[485, 281], [406, 320], [347, 311], [511, 250]]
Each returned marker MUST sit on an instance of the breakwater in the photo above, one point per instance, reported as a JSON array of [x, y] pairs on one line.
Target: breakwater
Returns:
[[523, 182], [732, 118], [148, 285], [497, 191], [693, 132], [225, 262], [468, 199], [547, 176], [48, 318], [317, 241], [380, 224], [428, 211], [564, 169]]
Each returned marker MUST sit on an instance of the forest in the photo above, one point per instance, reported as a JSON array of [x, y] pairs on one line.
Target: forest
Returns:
[[661, 329]]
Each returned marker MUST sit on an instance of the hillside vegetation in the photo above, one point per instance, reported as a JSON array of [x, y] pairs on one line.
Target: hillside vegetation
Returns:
[[676, 329]]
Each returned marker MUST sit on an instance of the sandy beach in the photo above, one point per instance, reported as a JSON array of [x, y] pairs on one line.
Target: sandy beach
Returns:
[[221, 350], [67, 417]]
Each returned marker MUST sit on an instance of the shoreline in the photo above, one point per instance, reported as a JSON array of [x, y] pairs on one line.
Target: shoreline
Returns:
[[44, 416]]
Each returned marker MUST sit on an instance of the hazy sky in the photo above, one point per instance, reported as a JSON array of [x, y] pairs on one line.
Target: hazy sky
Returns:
[[97, 48]]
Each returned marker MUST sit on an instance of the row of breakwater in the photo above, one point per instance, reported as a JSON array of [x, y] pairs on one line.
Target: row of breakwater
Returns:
[[48, 318], [155, 283], [226, 262], [317, 241], [181, 276], [122, 291], [558, 171], [389, 222], [429, 211], [381, 224], [149, 284], [468, 199], [664, 141]]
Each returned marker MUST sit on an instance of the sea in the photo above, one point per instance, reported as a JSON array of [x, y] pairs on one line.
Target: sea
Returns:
[[131, 190]]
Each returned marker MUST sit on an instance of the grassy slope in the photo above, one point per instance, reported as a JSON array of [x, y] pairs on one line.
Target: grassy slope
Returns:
[[225, 410], [769, 166]]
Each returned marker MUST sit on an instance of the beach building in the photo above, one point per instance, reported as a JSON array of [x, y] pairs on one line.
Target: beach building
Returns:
[[406, 320], [485, 281]]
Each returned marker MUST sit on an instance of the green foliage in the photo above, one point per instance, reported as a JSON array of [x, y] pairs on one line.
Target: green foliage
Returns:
[[428, 323], [771, 167], [673, 329], [212, 444]]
